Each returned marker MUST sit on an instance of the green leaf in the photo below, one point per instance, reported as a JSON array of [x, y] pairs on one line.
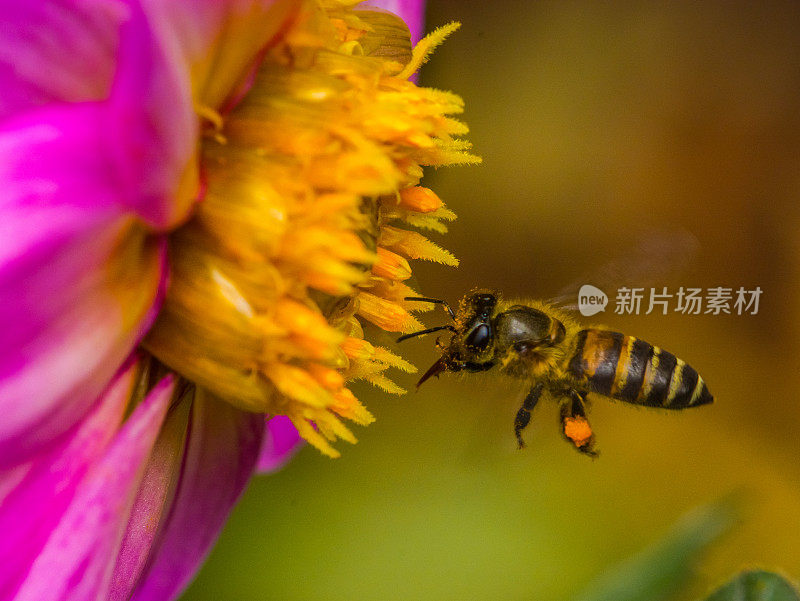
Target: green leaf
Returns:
[[756, 585], [660, 571]]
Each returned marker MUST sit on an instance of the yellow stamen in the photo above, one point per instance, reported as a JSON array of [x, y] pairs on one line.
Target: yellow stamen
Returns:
[[307, 431], [430, 221], [329, 379], [417, 198], [347, 405], [298, 384], [415, 246], [358, 348], [391, 266], [385, 383], [425, 47], [386, 314], [387, 357], [306, 177]]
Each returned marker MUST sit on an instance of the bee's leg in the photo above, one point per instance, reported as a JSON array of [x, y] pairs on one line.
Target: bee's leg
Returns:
[[574, 425], [524, 413]]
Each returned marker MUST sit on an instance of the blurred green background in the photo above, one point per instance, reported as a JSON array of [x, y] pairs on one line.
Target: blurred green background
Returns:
[[598, 124]]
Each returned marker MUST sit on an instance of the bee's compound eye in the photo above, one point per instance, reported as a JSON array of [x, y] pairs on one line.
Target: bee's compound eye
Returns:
[[479, 337]]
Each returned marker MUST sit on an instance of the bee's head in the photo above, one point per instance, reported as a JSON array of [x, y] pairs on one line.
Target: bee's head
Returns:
[[472, 334], [474, 329]]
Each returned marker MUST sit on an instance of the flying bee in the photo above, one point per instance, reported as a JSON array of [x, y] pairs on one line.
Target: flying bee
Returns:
[[540, 343]]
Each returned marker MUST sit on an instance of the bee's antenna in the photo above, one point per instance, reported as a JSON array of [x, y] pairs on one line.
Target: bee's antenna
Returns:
[[435, 301], [428, 331]]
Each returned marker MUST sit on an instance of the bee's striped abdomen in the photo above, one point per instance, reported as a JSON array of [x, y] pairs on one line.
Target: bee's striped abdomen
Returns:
[[631, 370]]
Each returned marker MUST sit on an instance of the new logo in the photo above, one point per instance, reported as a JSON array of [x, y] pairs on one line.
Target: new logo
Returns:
[[591, 300]]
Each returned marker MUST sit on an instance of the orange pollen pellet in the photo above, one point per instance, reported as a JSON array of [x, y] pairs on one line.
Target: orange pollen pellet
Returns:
[[578, 430], [420, 199]]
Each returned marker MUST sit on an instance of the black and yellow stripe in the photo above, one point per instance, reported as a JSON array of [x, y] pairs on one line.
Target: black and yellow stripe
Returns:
[[631, 370]]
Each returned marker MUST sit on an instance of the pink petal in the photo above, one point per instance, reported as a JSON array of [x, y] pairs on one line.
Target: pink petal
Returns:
[[222, 448], [217, 40], [152, 505], [67, 51], [281, 442], [151, 115], [165, 58], [34, 496], [155, 101], [58, 50], [78, 499], [411, 11], [79, 281]]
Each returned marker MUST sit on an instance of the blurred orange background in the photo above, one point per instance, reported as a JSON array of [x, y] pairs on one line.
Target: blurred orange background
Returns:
[[598, 124]]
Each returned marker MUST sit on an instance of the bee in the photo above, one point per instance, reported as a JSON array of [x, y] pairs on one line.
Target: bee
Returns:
[[542, 344]]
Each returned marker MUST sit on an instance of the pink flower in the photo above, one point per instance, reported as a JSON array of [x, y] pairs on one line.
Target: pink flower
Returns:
[[116, 472]]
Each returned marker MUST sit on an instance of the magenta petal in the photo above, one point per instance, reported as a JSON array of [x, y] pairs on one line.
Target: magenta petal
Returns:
[[35, 495], [72, 564], [56, 51], [222, 448], [217, 41], [411, 11], [153, 121], [162, 44], [281, 442], [153, 502], [78, 281]]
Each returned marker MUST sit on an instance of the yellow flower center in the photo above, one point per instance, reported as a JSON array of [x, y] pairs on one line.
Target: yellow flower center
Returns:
[[310, 184]]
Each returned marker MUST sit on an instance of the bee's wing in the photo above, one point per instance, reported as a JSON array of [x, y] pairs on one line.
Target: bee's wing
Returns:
[[655, 258]]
